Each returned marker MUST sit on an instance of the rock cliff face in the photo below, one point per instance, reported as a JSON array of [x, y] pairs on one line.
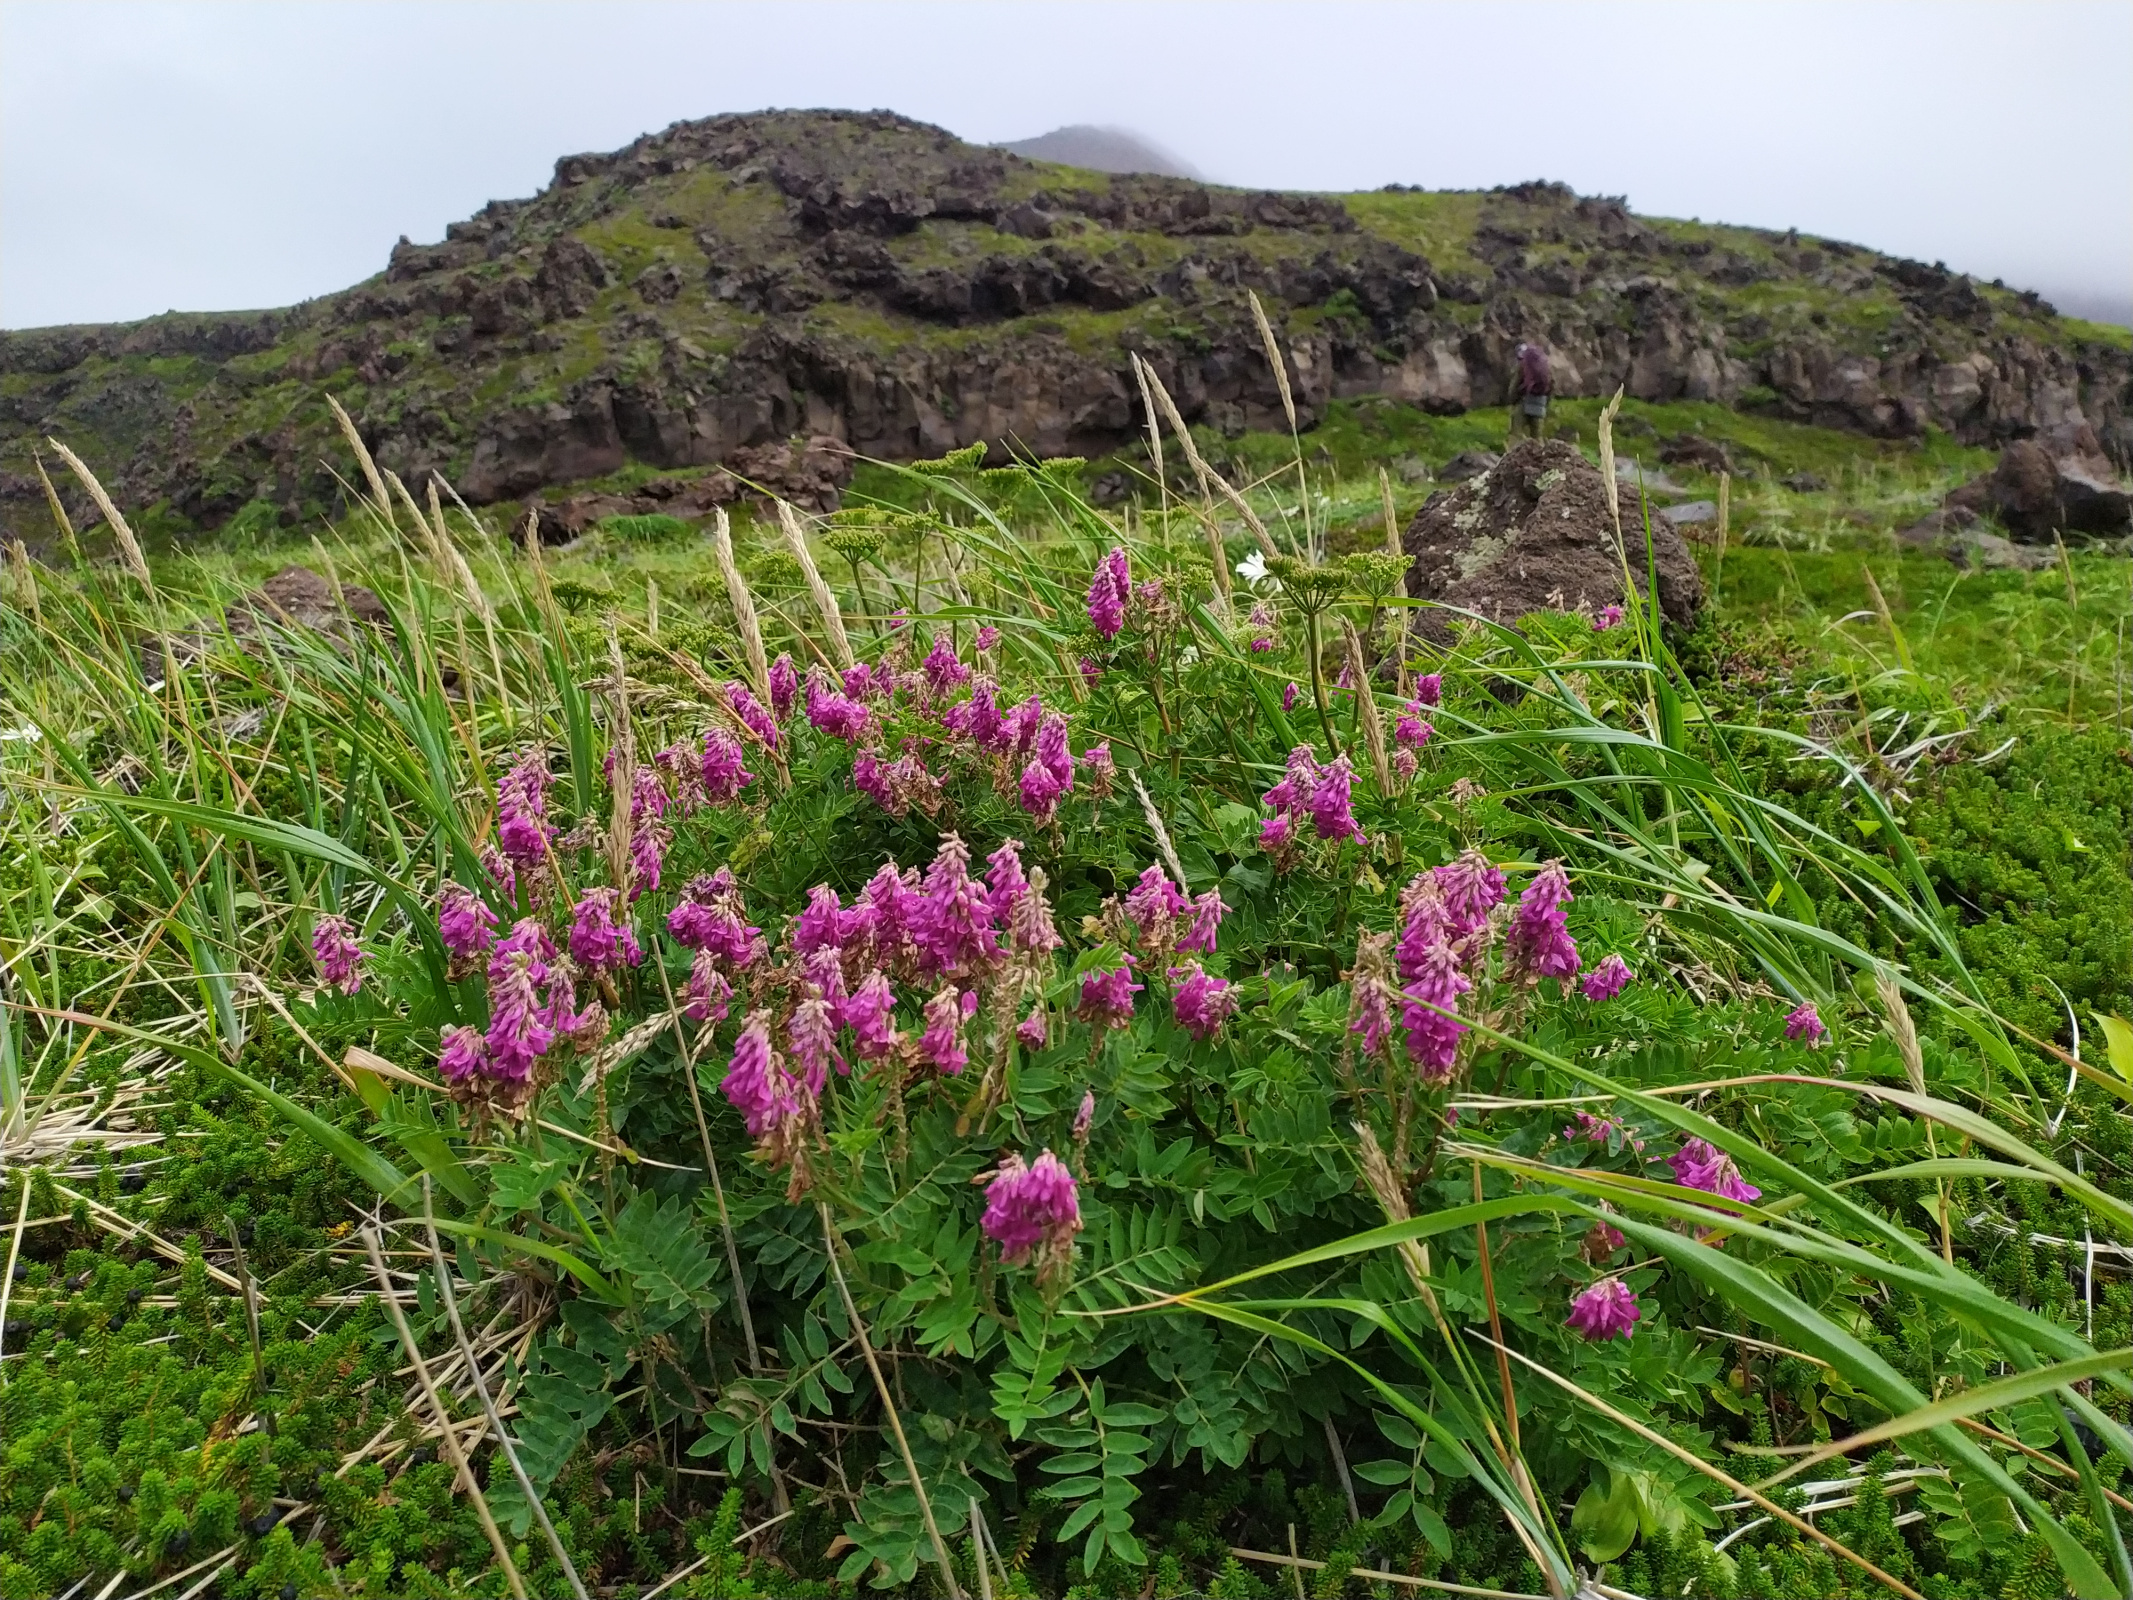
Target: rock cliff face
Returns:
[[745, 280]]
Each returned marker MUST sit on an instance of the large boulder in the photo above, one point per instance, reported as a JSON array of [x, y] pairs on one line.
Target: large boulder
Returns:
[[2059, 482], [1533, 534], [298, 597]]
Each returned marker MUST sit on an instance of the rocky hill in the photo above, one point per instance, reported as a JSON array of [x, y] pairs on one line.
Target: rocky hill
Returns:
[[734, 282]]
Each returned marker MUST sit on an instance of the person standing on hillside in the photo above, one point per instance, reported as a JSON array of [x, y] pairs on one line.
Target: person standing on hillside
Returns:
[[1529, 405]]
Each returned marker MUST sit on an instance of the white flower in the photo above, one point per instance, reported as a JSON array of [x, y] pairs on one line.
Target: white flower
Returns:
[[1253, 567]]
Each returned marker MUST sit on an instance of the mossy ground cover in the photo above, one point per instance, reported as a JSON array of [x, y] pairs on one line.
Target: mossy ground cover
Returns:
[[133, 1412]]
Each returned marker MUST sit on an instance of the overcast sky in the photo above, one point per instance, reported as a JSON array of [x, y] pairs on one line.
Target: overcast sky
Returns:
[[216, 156]]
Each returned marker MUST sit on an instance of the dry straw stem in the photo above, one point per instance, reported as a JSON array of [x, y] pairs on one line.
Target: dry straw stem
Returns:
[[14, 1250], [60, 519], [1152, 385], [543, 596], [1396, 623], [1273, 357], [1715, 1473], [1366, 705], [718, 1189], [1162, 834], [1206, 474], [18, 557], [129, 546], [488, 1405], [1614, 496], [621, 824], [455, 558], [1215, 547], [423, 531], [384, 504], [825, 602], [744, 616], [1905, 1033], [452, 1445], [1607, 464], [1302, 1564], [1155, 430], [888, 1405]]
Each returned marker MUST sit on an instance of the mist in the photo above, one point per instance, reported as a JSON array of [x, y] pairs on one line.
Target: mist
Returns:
[[222, 156]]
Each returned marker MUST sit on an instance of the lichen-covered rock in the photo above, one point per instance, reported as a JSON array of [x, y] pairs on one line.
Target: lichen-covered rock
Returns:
[[1533, 533]]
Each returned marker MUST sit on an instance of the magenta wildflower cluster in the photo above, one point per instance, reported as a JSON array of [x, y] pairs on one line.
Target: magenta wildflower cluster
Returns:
[[911, 726], [1449, 925], [1608, 1309], [906, 980], [1310, 800]]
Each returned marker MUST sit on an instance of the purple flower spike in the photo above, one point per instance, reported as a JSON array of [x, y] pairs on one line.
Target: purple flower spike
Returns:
[[1606, 1310], [597, 941], [1591, 1129], [812, 1034], [1031, 1030], [1098, 768], [1110, 588], [1429, 689], [710, 995], [1031, 1208], [870, 1012], [521, 811], [725, 772], [1288, 697], [1154, 901], [820, 926], [339, 958], [462, 1054], [1332, 812], [1373, 998], [1207, 914], [1107, 996], [756, 1083], [1471, 889], [1201, 1003], [465, 924], [1085, 1116], [988, 636], [1702, 1165], [1609, 617], [784, 684], [1805, 1023], [1539, 943], [1606, 980], [1410, 732], [943, 668], [1432, 1035], [753, 714], [942, 1041], [520, 1031]]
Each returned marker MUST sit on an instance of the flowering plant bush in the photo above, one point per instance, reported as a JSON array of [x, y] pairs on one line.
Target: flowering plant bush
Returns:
[[881, 1057]]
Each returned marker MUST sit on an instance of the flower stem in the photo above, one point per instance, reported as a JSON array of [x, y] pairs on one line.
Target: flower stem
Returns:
[[1318, 685]]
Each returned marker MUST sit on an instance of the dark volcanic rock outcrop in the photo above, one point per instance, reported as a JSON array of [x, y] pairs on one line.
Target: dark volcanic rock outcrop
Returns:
[[747, 280], [1533, 533], [2060, 483]]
